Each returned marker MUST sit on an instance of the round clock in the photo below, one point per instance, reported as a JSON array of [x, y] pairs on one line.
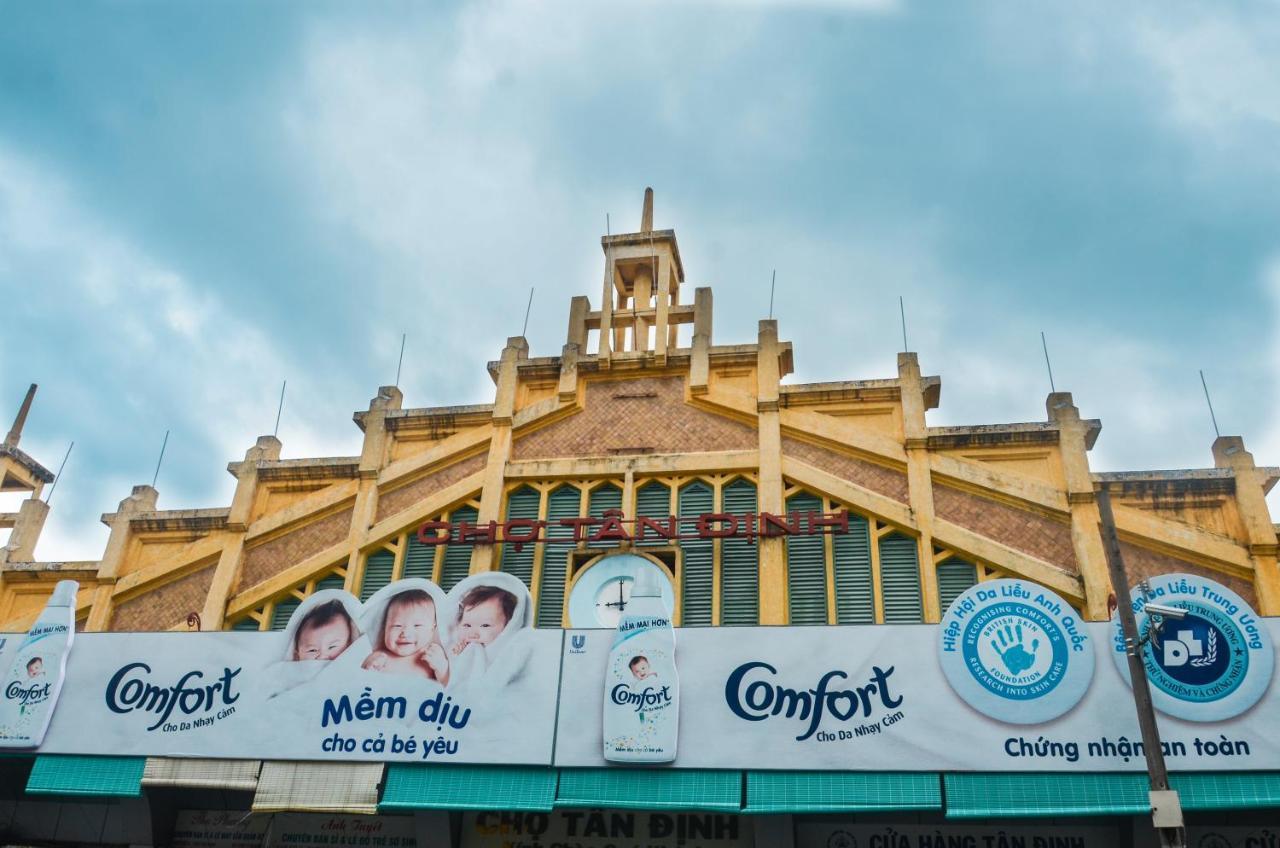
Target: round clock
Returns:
[[602, 593]]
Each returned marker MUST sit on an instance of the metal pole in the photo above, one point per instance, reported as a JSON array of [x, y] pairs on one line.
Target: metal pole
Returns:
[[280, 409], [1163, 799], [1045, 346], [772, 284], [902, 312], [58, 476], [163, 445], [1212, 417], [403, 338]]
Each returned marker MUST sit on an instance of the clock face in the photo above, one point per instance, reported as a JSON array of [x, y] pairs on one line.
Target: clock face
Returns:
[[601, 596]]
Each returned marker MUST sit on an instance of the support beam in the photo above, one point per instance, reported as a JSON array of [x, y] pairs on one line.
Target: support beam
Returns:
[[773, 551], [517, 349], [1086, 537], [919, 478], [1260, 532]]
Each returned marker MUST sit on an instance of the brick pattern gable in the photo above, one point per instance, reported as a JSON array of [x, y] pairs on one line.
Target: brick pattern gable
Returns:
[[168, 606], [1020, 529], [268, 559], [885, 481], [635, 416], [1141, 563], [405, 496]]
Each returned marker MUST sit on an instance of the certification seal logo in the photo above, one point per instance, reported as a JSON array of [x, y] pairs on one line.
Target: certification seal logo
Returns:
[[1015, 651], [1211, 665]]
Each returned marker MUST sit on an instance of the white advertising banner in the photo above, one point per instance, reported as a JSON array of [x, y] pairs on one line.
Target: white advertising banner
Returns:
[[411, 675], [605, 829], [1010, 681], [1005, 835]]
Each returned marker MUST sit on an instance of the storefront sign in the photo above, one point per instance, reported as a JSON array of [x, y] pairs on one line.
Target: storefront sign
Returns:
[[1009, 682], [412, 675], [612, 528], [605, 829], [310, 830], [218, 829], [948, 835], [1208, 836]]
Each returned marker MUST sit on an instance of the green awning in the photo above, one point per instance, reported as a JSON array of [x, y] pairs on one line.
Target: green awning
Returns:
[[651, 789], [1009, 794], [841, 791], [112, 777], [410, 786], [1227, 790]]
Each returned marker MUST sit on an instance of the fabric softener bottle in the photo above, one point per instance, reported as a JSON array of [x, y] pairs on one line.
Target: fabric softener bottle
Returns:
[[642, 691], [34, 679]]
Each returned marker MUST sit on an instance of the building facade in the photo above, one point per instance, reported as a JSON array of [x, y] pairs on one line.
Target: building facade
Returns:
[[644, 413]]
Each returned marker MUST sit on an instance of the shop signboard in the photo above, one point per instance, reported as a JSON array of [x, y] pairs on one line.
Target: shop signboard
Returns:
[[1011, 680], [828, 834], [597, 828], [218, 829], [238, 829], [412, 674]]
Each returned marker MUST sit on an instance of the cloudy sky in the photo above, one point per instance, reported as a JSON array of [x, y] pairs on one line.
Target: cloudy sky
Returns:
[[198, 201]]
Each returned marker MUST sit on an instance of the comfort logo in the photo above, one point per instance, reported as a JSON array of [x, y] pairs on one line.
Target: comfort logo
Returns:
[[131, 689]]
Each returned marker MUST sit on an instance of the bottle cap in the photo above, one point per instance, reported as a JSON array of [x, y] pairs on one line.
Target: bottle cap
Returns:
[[64, 594], [645, 585]]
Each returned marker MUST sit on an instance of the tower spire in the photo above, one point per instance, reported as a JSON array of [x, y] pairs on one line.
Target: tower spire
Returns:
[[646, 216], [15, 432]]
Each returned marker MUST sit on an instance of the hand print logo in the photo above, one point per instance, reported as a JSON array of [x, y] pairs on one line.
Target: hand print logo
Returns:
[[1015, 651], [1009, 645]]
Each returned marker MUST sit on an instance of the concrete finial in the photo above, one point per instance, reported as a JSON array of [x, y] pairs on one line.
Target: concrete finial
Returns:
[[15, 432], [646, 216]]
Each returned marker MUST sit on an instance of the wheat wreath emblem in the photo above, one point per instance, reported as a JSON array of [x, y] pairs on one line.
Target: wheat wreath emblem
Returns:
[[1211, 652]]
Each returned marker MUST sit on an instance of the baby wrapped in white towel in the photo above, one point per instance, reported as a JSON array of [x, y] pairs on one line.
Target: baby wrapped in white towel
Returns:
[[491, 618], [319, 631]]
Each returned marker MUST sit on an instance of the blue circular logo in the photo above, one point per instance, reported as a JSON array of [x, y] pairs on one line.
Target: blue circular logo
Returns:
[[1210, 665], [1015, 651]]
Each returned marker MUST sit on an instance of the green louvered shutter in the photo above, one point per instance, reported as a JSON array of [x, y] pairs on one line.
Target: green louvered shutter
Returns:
[[806, 567], [419, 559], [955, 576], [283, 609], [607, 496], [457, 556], [332, 580], [246, 624], [698, 585], [377, 572], [740, 562], [653, 500], [522, 503], [564, 502], [900, 580], [855, 594]]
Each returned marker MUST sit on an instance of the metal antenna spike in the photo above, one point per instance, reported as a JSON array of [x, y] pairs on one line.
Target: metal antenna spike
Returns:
[[279, 409], [1045, 346], [58, 476], [772, 285], [608, 229], [399, 365], [902, 313], [163, 445], [527, 309], [1212, 417]]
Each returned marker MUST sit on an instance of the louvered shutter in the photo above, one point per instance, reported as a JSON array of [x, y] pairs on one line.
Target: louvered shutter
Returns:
[[740, 562], [377, 572], [806, 567], [330, 581], [522, 503], [283, 609], [855, 594], [564, 502], [653, 500], [245, 624], [954, 577], [419, 559], [457, 556], [698, 581], [900, 580], [607, 496]]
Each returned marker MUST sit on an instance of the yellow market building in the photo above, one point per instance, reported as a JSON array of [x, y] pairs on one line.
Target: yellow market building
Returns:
[[645, 413]]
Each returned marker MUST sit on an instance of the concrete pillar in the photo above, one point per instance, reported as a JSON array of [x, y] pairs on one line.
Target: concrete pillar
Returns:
[[919, 478], [375, 453], [700, 361], [1086, 538], [21, 546], [575, 345], [769, 493], [225, 573], [643, 293], [1229, 452], [606, 311], [142, 499], [483, 556], [662, 292]]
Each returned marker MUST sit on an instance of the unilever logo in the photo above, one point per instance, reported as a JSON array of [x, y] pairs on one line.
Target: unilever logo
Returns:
[[1015, 651], [577, 643], [1213, 664]]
